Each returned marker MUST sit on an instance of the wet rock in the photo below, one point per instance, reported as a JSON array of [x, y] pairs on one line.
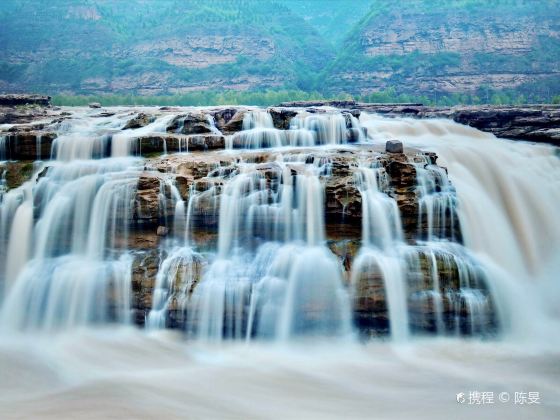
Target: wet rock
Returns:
[[141, 120], [144, 272], [306, 104], [192, 123], [103, 114], [24, 99], [206, 142], [222, 116], [394, 146], [235, 124], [94, 105], [183, 186], [162, 231], [281, 117], [538, 123], [22, 114], [146, 205], [23, 144], [169, 143], [16, 172]]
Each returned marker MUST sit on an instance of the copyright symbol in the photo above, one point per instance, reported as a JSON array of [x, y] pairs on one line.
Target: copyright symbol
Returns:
[[504, 397]]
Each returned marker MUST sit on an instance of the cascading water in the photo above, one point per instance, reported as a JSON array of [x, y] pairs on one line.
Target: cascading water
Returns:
[[64, 266], [323, 237], [270, 225], [382, 238], [506, 191], [3, 144], [251, 279], [330, 128]]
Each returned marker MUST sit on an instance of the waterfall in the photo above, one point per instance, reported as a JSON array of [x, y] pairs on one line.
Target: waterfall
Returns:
[[382, 240], [80, 207], [175, 279], [67, 262], [506, 194], [438, 203], [305, 130], [260, 283], [258, 241], [124, 143], [3, 148]]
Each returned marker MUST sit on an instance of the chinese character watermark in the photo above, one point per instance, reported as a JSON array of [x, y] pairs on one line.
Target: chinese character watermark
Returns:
[[487, 397]]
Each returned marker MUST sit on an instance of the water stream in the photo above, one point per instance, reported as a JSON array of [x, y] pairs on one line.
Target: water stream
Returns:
[[248, 253]]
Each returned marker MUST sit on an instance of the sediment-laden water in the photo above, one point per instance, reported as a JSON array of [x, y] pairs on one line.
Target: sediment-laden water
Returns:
[[304, 270]]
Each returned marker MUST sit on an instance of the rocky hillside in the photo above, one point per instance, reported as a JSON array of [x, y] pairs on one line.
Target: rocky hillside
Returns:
[[154, 47], [417, 47], [453, 47]]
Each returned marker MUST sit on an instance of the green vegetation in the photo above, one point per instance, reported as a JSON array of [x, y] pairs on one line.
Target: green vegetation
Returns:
[[275, 97], [228, 97]]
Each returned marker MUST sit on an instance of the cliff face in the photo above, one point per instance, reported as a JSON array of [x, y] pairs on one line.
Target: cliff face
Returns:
[[166, 46], [429, 48]]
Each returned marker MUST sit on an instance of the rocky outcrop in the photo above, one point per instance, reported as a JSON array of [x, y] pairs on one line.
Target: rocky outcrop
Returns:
[[158, 143], [22, 114], [15, 173], [206, 172], [204, 175], [472, 48], [28, 143], [539, 123], [24, 99], [281, 117], [201, 52], [234, 124]]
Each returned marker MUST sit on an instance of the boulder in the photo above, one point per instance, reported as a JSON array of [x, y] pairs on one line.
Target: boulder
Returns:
[[162, 231], [394, 146], [281, 117], [235, 124], [141, 120], [94, 105], [222, 116], [191, 123]]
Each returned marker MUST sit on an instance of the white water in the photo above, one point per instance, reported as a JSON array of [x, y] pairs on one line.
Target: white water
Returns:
[[507, 192], [266, 240], [305, 130], [63, 265], [3, 148], [126, 374], [273, 279]]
